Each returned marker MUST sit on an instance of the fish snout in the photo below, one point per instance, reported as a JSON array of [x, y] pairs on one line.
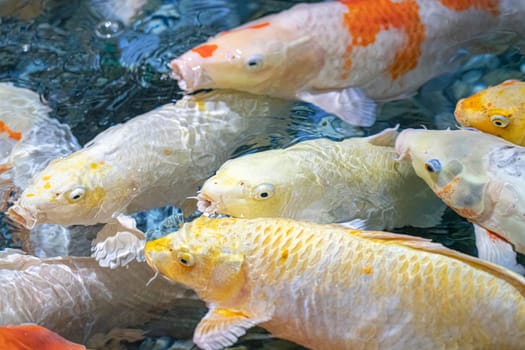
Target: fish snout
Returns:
[[459, 113], [24, 216], [189, 74], [157, 252], [206, 204]]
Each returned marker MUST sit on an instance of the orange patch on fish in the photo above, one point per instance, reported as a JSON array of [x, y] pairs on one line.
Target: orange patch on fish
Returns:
[[491, 6], [205, 50], [47, 185], [365, 20], [46, 178], [15, 135], [26, 337], [258, 26]]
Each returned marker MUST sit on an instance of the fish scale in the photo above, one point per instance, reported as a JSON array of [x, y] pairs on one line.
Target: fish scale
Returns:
[[349, 289]]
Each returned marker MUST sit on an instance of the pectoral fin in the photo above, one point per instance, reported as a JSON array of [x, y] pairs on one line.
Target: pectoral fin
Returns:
[[221, 328], [495, 249], [351, 105]]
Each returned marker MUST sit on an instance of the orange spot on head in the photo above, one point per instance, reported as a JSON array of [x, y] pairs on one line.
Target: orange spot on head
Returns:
[[94, 166], [509, 82], [491, 6], [367, 270], [365, 19], [17, 136], [47, 185], [258, 26], [205, 50], [46, 178]]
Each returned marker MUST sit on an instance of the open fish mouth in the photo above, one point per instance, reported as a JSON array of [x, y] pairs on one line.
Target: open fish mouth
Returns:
[[189, 76], [22, 216], [206, 204]]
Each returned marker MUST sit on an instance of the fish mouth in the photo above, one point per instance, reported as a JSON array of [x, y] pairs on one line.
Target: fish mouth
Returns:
[[206, 204], [23, 216], [459, 116], [190, 77]]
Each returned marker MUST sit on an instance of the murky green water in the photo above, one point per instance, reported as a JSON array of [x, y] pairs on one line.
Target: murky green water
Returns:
[[96, 66]]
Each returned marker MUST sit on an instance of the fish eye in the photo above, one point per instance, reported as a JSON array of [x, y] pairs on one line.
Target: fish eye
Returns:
[[185, 258], [499, 121], [76, 194], [433, 166], [254, 62], [264, 191]]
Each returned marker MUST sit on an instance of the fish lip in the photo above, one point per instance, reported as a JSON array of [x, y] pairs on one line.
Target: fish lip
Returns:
[[190, 76], [23, 216], [206, 204]]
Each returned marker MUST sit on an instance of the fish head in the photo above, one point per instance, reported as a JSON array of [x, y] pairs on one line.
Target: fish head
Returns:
[[202, 256], [254, 185], [451, 163], [67, 192], [498, 110], [260, 59]]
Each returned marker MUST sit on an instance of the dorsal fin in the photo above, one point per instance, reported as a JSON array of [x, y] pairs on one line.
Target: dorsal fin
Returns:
[[386, 137], [427, 245]]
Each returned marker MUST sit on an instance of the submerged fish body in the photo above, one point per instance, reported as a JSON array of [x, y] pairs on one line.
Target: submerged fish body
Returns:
[[326, 182], [29, 139], [327, 287], [77, 298], [339, 54], [155, 159], [498, 110], [480, 176], [24, 337]]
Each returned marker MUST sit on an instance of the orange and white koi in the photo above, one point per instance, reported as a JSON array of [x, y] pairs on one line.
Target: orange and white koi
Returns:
[[32, 337], [480, 176], [341, 54], [498, 110], [327, 287]]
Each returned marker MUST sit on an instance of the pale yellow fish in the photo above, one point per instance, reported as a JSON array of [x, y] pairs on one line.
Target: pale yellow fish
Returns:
[[498, 110], [480, 176], [327, 287], [325, 181], [155, 159]]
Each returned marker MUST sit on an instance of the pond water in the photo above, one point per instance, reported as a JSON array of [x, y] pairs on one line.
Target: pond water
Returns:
[[98, 63]]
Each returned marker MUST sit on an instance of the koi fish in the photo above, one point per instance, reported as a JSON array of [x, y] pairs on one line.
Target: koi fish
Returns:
[[31, 336], [342, 55], [328, 287], [326, 182], [498, 110], [155, 159], [480, 176], [77, 298], [29, 139]]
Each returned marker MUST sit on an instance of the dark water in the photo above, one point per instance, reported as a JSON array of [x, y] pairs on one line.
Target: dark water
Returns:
[[96, 67]]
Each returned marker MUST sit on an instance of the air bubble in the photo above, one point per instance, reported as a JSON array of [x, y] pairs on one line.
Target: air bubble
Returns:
[[109, 29]]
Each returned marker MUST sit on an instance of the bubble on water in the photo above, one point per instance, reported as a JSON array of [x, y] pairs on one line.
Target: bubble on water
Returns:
[[109, 29]]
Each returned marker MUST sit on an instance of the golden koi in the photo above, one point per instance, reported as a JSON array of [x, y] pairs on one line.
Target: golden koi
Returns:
[[498, 110], [480, 176], [327, 287], [326, 182], [341, 54], [155, 159]]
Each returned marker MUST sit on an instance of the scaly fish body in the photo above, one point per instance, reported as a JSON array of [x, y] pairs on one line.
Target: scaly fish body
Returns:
[[26, 337], [325, 181], [327, 287], [155, 159], [480, 176], [77, 298], [322, 53], [498, 110]]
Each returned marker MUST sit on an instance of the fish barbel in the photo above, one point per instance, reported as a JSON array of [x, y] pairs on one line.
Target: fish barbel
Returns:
[[342, 55], [327, 287]]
